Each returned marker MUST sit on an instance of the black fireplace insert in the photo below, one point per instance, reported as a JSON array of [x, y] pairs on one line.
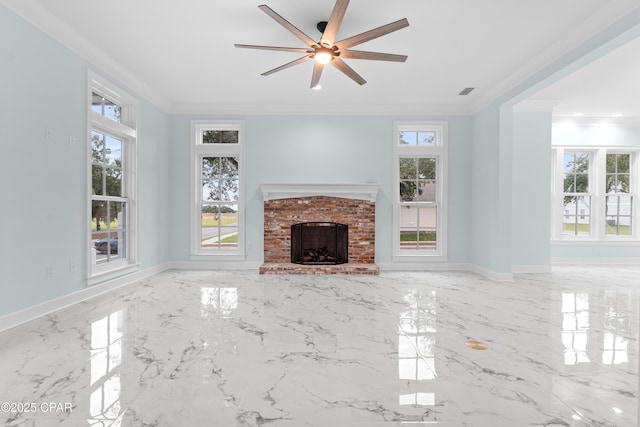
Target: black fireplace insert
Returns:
[[317, 243]]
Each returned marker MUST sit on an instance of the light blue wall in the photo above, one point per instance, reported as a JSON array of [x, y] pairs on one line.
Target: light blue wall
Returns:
[[43, 181], [531, 189], [596, 135], [484, 178], [323, 149]]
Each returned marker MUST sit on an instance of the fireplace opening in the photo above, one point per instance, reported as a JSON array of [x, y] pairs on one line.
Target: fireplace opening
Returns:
[[316, 243]]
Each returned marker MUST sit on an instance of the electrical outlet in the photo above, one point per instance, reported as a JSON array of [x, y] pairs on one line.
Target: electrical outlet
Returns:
[[48, 271], [72, 140], [72, 267], [48, 134]]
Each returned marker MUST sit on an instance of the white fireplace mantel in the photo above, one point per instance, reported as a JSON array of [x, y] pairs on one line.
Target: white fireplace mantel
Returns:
[[347, 191]]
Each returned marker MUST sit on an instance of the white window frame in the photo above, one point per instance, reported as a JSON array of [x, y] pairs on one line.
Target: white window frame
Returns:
[[439, 151], [127, 131], [597, 190], [198, 152]]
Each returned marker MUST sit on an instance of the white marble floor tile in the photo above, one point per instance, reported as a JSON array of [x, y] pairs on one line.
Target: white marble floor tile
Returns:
[[201, 348]]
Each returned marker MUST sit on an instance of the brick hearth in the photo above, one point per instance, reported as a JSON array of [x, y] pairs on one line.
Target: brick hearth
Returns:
[[280, 214]]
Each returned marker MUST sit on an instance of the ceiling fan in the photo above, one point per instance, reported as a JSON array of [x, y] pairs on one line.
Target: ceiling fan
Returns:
[[328, 50]]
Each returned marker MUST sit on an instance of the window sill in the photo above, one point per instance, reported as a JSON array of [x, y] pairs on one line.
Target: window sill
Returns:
[[218, 257], [104, 274], [419, 257]]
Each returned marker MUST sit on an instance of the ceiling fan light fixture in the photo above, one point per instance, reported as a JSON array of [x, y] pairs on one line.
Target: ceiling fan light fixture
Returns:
[[323, 55], [328, 50]]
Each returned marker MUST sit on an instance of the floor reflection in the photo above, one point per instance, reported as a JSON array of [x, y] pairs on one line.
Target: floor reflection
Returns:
[[218, 302], [416, 344], [105, 408]]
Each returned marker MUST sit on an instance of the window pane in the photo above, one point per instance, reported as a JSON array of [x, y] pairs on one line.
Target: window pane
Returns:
[[417, 179], [113, 180], [108, 230], [418, 227], [427, 138], [426, 168], [577, 216], [97, 147], [576, 172], [426, 191], [220, 179], [408, 168], [617, 179], [408, 191], [99, 215], [230, 180], [220, 137], [113, 152], [106, 107], [408, 138], [97, 180], [219, 223], [618, 216]]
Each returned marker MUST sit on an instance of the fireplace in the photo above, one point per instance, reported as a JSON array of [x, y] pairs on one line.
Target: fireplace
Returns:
[[350, 206], [319, 243]]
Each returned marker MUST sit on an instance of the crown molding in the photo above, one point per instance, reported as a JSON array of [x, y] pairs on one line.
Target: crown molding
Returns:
[[319, 109]]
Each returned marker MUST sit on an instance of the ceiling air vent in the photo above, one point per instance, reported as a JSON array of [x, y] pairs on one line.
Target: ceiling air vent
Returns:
[[466, 91]]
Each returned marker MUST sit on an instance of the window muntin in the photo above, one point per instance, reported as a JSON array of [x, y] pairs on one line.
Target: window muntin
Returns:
[[217, 203], [420, 160], [112, 140]]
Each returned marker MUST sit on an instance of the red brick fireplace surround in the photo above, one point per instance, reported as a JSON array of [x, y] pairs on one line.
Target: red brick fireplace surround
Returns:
[[288, 204]]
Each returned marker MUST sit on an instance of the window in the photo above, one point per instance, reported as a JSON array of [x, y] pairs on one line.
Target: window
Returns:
[[596, 194], [217, 225], [419, 204], [112, 135]]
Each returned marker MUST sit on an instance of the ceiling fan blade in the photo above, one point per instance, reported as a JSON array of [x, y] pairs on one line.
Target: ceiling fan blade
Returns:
[[284, 49], [373, 34], [333, 25], [317, 72], [375, 56], [342, 66], [288, 25], [288, 64]]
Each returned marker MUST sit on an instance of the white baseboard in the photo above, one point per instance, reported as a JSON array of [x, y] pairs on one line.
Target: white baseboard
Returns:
[[436, 266], [12, 320], [425, 266], [595, 261], [530, 269]]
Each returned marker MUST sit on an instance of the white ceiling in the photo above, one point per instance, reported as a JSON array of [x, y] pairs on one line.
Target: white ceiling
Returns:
[[607, 87], [180, 55]]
